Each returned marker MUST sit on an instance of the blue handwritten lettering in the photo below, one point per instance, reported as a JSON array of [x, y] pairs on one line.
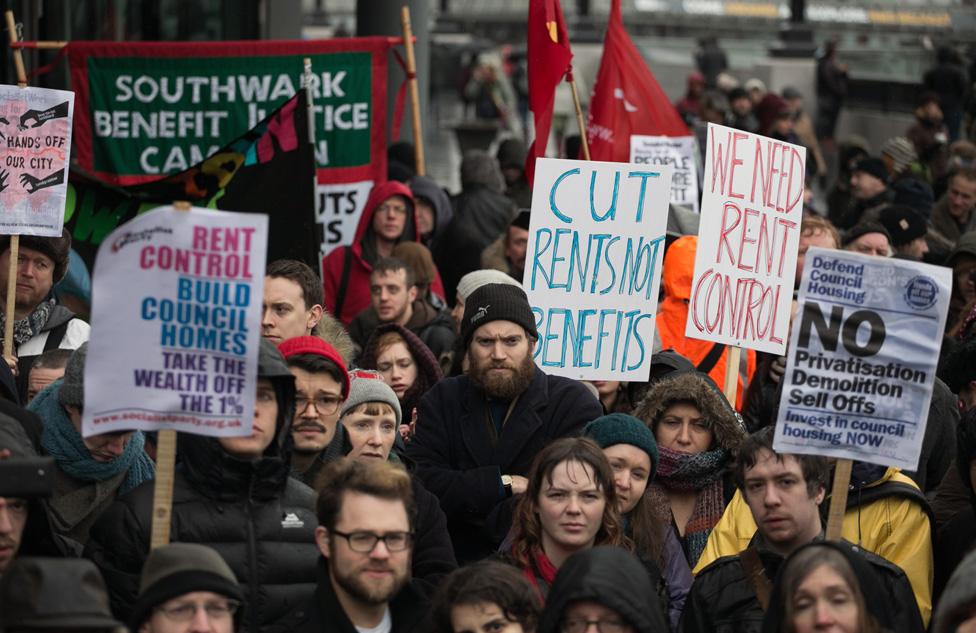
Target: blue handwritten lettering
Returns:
[[552, 195], [611, 213], [643, 175]]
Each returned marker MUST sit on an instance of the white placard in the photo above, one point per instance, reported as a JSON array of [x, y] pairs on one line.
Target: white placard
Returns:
[[745, 266], [338, 207], [35, 133], [176, 323], [679, 153], [593, 266], [863, 353]]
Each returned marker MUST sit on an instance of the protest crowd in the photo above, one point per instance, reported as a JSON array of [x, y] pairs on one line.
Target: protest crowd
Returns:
[[413, 466]]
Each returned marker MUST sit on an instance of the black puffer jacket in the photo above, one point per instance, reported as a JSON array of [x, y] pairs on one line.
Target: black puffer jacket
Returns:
[[610, 576], [261, 521]]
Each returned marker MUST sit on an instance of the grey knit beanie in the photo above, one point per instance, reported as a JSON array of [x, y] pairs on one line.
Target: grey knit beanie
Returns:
[[72, 392], [177, 569], [368, 386]]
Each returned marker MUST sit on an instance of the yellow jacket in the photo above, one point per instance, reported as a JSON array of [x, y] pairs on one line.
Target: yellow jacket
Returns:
[[894, 528]]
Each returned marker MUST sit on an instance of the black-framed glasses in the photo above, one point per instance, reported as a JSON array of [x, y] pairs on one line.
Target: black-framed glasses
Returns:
[[365, 542], [581, 625], [185, 611], [326, 405]]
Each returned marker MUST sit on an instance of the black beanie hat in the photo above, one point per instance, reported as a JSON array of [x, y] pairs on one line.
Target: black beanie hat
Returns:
[[915, 193], [177, 569], [57, 248], [904, 224], [496, 302], [873, 166], [863, 228], [522, 219]]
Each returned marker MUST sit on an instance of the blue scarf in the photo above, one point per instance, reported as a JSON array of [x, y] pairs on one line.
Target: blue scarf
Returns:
[[64, 444]]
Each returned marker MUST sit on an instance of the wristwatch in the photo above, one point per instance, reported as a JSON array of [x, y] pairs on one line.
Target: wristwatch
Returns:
[[507, 483]]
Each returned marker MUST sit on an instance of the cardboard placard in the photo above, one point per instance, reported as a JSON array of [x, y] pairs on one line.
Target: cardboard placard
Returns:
[[676, 151], [745, 265], [593, 266], [862, 359], [35, 133], [176, 324]]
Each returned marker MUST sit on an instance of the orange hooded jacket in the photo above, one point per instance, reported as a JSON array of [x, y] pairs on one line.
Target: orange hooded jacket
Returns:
[[679, 268]]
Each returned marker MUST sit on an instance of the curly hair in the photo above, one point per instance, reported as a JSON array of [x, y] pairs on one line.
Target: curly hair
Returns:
[[528, 536], [486, 582]]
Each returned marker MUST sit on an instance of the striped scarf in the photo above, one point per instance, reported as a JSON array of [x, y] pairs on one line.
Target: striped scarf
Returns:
[[702, 473]]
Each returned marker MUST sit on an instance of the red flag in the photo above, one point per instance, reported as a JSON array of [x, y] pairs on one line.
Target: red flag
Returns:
[[626, 98], [548, 58]]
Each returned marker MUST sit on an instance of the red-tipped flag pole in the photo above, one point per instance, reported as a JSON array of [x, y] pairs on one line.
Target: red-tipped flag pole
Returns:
[[549, 57]]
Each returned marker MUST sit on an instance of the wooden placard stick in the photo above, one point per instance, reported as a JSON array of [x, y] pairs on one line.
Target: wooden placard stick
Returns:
[[580, 120], [11, 290], [162, 513], [163, 488], [731, 386], [418, 132], [43, 45], [838, 499]]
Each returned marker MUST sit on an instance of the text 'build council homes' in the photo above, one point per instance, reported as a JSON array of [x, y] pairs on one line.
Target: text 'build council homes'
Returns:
[[189, 341]]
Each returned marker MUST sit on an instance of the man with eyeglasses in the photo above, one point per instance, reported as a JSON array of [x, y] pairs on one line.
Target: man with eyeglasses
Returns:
[[387, 219], [235, 495], [478, 433], [321, 386], [365, 536], [371, 417], [393, 293], [186, 588]]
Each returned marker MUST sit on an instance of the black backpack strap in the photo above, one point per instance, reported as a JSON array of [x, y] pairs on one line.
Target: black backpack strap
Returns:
[[343, 282], [891, 489], [711, 358], [55, 335]]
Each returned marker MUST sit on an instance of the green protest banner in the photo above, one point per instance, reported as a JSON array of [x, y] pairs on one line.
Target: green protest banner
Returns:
[[145, 110]]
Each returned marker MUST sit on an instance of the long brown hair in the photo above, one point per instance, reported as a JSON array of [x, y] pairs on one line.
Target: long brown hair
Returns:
[[806, 562], [647, 523], [528, 537]]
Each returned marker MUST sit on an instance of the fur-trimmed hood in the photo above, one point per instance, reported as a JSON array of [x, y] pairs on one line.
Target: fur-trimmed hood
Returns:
[[699, 389], [331, 331]]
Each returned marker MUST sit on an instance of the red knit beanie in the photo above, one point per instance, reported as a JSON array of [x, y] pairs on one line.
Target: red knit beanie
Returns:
[[316, 346]]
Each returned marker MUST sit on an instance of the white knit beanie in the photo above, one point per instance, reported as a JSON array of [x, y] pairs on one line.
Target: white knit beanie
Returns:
[[478, 278]]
